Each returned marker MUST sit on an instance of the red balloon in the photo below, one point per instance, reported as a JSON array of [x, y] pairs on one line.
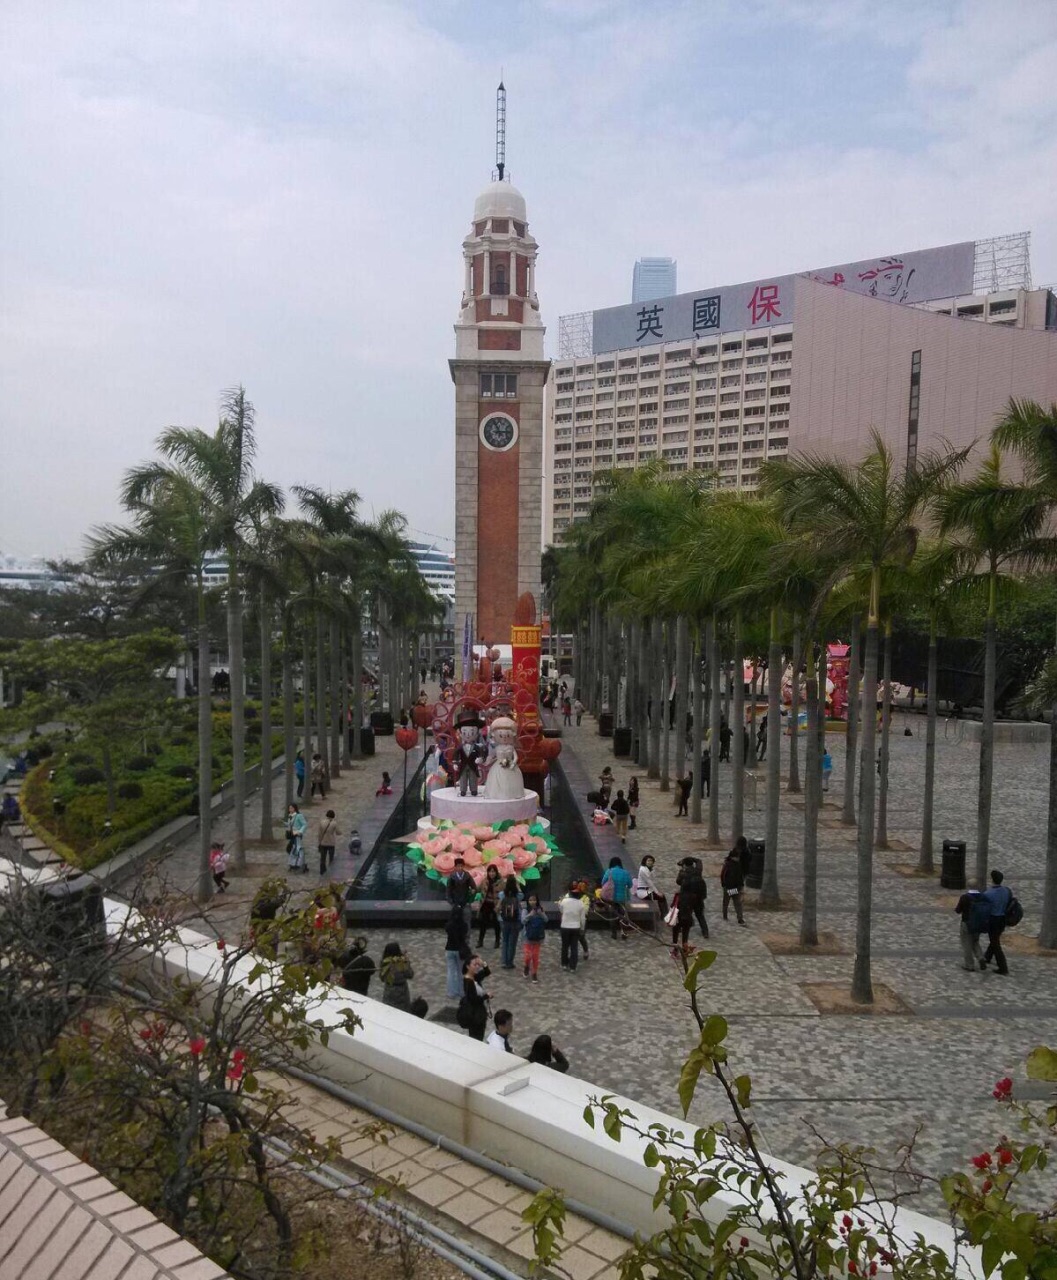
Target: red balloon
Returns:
[[422, 714], [550, 748], [406, 737]]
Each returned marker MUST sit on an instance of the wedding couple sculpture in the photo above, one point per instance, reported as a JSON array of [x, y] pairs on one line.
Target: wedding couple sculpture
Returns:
[[504, 780]]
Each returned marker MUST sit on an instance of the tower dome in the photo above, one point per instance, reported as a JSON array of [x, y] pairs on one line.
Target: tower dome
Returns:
[[499, 200]]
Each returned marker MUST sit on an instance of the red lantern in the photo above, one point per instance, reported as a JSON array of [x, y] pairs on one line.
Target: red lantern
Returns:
[[422, 714], [550, 748], [406, 737]]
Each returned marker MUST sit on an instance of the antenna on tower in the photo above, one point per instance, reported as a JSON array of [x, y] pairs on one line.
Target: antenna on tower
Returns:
[[500, 130]]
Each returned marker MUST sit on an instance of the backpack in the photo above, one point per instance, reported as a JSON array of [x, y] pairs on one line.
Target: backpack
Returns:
[[535, 927], [509, 909], [1014, 913]]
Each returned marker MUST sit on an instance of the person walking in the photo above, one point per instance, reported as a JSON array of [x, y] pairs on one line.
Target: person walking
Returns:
[[218, 865], [461, 889], [296, 825], [578, 711], [692, 894], [488, 906], [617, 897], [684, 785], [573, 922], [326, 841], [547, 1054], [567, 711], [974, 912], [761, 738], [633, 803], [510, 920], [645, 888], [299, 773], [396, 974], [620, 812], [706, 772], [473, 1008], [726, 733], [319, 777], [535, 932], [500, 1037], [999, 896], [827, 769], [456, 951], [732, 882], [357, 967]]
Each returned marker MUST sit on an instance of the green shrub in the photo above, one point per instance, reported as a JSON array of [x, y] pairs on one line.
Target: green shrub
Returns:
[[129, 791], [182, 771], [139, 764], [88, 775], [43, 749], [80, 757]]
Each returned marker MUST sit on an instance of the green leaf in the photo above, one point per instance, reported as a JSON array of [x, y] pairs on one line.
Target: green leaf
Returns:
[[530, 873], [714, 1032], [689, 1077], [1042, 1064], [537, 829], [702, 960], [743, 1085], [415, 853], [589, 1116], [991, 1253], [650, 1157], [433, 874], [505, 825]]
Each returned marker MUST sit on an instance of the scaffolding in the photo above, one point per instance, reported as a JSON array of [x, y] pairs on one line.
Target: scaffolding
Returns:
[[1003, 262], [576, 336]]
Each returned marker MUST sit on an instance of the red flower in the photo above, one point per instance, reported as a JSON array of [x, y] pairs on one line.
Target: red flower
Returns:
[[146, 1033], [987, 1185], [235, 1072], [197, 1045], [853, 1270], [221, 944], [982, 1160], [86, 1028], [1003, 1089], [239, 1056], [744, 1242], [873, 1268], [846, 1220], [1005, 1156]]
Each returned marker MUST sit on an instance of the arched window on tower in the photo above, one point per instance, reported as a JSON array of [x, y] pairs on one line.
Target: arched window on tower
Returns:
[[500, 283]]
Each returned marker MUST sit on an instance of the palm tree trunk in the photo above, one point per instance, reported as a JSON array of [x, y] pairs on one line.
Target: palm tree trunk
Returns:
[[752, 712], [643, 695], [657, 710], [698, 737], [266, 716], [987, 754], [357, 686], [925, 861], [769, 894], [682, 689], [238, 712], [204, 887], [737, 815], [346, 758], [861, 984], [306, 688], [334, 699], [321, 694], [715, 681], [1048, 927], [289, 728], [852, 737], [666, 736], [812, 799], [794, 718], [886, 726]]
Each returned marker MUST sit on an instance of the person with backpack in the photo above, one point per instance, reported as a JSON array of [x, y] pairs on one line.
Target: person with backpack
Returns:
[[357, 967], [510, 921], [732, 881], [974, 911], [615, 892], [1001, 898], [535, 932], [218, 865]]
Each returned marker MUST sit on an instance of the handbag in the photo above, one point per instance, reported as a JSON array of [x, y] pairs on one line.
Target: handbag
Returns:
[[672, 918], [608, 891]]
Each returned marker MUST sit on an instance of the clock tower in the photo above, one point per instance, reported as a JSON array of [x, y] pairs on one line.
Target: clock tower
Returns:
[[499, 373]]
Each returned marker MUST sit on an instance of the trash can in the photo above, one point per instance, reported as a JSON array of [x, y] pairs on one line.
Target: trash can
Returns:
[[382, 723], [754, 873], [605, 724], [366, 740], [952, 875], [622, 741]]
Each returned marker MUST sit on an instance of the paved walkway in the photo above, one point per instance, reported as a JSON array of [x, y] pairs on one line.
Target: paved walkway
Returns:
[[623, 1020]]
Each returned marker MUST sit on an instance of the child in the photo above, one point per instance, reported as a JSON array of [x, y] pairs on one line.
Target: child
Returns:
[[827, 769], [386, 789], [218, 864], [535, 932]]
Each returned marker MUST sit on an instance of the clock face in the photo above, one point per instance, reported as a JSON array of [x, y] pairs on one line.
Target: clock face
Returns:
[[498, 432]]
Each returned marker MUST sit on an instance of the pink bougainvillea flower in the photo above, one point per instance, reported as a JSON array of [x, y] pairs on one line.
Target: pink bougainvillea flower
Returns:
[[1005, 1156], [239, 1055], [1003, 1089], [196, 1045], [846, 1220], [445, 863], [235, 1072], [146, 1033], [523, 858], [986, 1185], [221, 944], [982, 1160]]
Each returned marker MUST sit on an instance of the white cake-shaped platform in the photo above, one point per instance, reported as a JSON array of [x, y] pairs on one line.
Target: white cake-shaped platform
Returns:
[[446, 803]]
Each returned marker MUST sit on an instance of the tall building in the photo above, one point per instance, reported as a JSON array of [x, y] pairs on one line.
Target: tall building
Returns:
[[499, 373], [653, 278], [723, 378]]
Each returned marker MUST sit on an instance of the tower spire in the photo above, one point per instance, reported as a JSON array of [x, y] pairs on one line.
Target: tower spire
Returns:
[[500, 129]]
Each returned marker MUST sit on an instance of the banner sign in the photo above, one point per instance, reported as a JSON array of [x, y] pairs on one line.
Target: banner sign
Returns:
[[605, 692], [525, 658], [920, 276], [467, 647], [622, 701], [385, 691]]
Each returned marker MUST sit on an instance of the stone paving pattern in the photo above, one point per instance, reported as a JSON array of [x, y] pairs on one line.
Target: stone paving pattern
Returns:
[[623, 1019]]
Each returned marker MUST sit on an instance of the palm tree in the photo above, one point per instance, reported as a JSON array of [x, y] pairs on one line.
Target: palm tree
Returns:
[[1030, 431], [867, 514], [172, 532], [1002, 525], [221, 467]]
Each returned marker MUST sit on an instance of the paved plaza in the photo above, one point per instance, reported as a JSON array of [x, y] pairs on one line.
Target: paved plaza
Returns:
[[623, 1019]]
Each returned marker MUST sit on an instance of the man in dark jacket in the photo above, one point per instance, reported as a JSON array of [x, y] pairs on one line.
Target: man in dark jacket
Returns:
[[732, 880], [461, 889], [692, 892], [999, 896], [357, 967]]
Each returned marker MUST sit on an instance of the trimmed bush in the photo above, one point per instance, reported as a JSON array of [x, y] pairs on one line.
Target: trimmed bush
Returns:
[[182, 771], [80, 757], [88, 776], [140, 764], [130, 791]]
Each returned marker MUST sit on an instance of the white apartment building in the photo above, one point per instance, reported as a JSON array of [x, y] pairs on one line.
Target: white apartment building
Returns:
[[726, 400]]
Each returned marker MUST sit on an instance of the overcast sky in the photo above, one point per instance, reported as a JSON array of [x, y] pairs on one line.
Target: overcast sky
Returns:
[[200, 194]]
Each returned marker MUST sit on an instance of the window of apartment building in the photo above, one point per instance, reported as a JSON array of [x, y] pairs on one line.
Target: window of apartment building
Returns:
[[674, 437], [585, 399], [755, 395], [563, 417], [676, 404], [496, 386], [676, 419], [563, 402], [913, 408], [748, 446], [566, 371], [756, 344], [625, 442], [704, 433], [730, 397], [605, 366], [563, 448], [604, 415], [710, 367], [703, 451], [780, 338], [707, 351], [730, 364], [562, 433], [630, 363], [730, 446], [779, 391], [626, 395], [625, 378], [606, 382], [726, 415], [974, 309], [649, 439], [564, 386], [679, 355], [673, 453], [627, 412], [585, 416], [647, 361], [604, 397], [731, 380], [1003, 307], [731, 346], [753, 379], [777, 442], [647, 422], [754, 360], [625, 457], [646, 454]]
